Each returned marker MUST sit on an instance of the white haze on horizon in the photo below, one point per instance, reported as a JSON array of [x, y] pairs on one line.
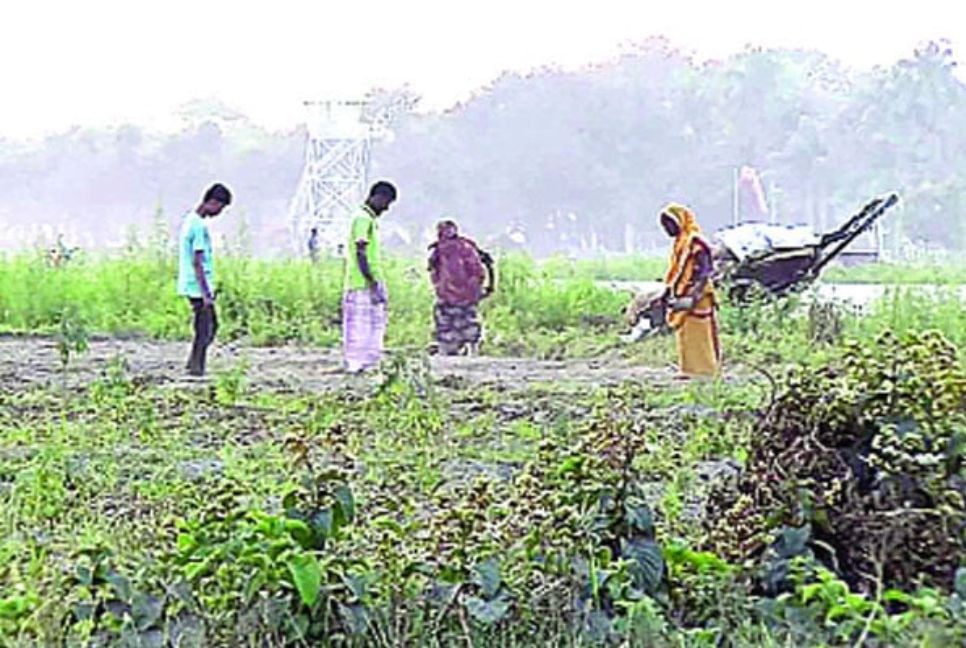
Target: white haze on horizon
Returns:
[[105, 62]]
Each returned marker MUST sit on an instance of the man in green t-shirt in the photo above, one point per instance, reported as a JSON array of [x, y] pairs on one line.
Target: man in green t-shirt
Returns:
[[364, 297]]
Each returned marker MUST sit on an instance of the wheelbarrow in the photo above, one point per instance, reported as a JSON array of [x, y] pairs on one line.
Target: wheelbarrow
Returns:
[[758, 257]]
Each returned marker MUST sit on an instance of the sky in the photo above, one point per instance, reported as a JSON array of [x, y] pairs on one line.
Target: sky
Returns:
[[105, 62]]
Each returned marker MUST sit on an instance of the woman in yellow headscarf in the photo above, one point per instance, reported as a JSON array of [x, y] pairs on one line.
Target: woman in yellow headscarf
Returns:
[[690, 294]]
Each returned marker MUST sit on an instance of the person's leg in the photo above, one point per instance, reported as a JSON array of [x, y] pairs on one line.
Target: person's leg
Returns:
[[205, 335], [210, 327], [697, 350], [447, 335], [194, 335], [442, 329], [195, 364], [473, 332], [458, 326], [348, 332], [356, 330], [379, 322], [715, 340]]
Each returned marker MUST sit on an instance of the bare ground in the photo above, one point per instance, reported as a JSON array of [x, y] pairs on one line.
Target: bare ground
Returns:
[[35, 361]]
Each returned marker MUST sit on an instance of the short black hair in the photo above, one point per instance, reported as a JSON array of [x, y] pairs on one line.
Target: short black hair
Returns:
[[220, 193], [383, 188]]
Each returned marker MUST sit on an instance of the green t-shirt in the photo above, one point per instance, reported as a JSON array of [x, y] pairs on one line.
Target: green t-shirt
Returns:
[[365, 227]]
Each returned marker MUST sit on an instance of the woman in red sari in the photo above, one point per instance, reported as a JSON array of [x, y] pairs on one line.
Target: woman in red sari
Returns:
[[462, 276]]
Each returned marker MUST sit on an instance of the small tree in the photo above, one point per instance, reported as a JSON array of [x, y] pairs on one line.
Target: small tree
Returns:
[[72, 339]]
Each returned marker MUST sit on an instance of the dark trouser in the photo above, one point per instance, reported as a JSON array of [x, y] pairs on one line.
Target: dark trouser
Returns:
[[205, 325], [457, 327]]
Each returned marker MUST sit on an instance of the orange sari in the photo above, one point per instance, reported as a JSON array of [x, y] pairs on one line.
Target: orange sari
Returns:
[[696, 330]]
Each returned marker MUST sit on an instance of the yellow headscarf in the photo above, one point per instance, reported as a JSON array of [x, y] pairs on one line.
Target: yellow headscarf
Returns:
[[681, 265]]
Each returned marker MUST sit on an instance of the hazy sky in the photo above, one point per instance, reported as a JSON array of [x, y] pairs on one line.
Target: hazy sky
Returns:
[[97, 62]]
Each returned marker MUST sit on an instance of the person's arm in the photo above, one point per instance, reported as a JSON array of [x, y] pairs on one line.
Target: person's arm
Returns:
[[487, 261], [432, 263], [197, 241], [362, 258], [199, 266], [362, 233], [703, 269]]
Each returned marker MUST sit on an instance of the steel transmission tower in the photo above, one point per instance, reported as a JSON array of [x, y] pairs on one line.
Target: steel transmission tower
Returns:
[[336, 173], [336, 169]]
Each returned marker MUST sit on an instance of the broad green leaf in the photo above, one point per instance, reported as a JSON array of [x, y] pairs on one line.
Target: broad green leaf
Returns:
[[300, 623], [121, 586], [570, 464], [809, 591], [84, 610], [182, 592], [580, 567], [960, 583], [186, 543], [84, 575], [153, 638], [597, 627], [793, 541], [14, 607], [347, 503], [301, 532], [193, 571], [387, 523], [117, 609], [639, 517], [356, 585], [322, 523], [290, 500], [418, 567], [356, 618], [146, 610], [254, 584], [646, 564], [837, 611], [487, 575], [896, 596], [487, 612], [307, 577]]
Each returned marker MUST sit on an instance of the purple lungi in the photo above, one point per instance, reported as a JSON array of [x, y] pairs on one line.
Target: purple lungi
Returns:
[[363, 330]]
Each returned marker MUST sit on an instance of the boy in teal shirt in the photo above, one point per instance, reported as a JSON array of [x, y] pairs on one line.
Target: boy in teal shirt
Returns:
[[196, 273]]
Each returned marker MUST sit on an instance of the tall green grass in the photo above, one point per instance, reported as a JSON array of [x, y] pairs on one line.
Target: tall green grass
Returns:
[[278, 301], [611, 268], [904, 310], [538, 309], [651, 268], [898, 274]]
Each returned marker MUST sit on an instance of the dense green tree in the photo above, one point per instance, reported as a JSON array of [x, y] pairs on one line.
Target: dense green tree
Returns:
[[575, 157]]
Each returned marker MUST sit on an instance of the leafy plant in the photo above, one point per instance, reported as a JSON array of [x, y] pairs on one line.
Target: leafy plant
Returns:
[[72, 338], [230, 384], [866, 451]]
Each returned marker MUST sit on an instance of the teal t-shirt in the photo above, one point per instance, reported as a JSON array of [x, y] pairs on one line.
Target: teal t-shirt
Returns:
[[365, 227], [194, 237]]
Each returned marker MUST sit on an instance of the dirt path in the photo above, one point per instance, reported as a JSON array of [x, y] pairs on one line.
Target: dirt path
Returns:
[[35, 361]]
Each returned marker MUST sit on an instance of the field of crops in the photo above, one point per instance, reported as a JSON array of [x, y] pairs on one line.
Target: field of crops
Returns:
[[562, 490]]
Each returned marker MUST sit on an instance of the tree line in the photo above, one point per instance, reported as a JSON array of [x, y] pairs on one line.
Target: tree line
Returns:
[[573, 159]]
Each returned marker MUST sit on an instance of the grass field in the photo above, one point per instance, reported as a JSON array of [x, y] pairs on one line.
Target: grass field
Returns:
[[526, 499], [649, 268]]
